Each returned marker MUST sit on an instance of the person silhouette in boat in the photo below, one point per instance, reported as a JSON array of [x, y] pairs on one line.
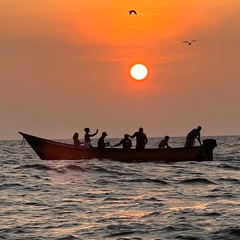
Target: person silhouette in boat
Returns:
[[190, 139], [87, 137], [164, 143], [76, 140], [126, 142], [101, 143], [141, 139]]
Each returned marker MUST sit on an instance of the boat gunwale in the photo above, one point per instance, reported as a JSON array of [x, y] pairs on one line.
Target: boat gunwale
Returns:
[[110, 149]]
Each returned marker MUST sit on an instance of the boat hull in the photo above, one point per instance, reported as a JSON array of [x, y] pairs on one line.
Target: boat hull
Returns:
[[52, 150]]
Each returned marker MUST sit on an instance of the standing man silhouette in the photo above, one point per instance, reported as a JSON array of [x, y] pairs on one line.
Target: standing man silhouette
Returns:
[[141, 139]]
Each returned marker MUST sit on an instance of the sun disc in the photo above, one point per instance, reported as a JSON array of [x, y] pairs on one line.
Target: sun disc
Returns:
[[139, 71]]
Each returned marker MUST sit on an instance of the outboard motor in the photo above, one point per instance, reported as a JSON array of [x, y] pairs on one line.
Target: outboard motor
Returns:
[[208, 146]]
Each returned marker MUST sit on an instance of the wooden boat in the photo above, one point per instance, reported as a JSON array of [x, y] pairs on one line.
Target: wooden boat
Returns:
[[52, 150]]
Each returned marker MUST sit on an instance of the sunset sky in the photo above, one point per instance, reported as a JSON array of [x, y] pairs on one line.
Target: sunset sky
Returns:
[[64, 66]]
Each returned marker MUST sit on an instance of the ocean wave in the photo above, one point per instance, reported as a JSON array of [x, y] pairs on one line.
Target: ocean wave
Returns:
[[212, 214], [59, 169], [147, 180], [75, 168], [232, 180], [125, 230], [10, 185], [230, 233], [68, 237], [35, 166], [190, 237], [197, 181], [229, 166]]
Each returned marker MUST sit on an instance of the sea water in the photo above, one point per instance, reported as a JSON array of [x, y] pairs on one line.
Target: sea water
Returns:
[[103, 199]]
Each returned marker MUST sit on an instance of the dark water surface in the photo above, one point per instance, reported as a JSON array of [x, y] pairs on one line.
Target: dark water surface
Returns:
[[103, 199]]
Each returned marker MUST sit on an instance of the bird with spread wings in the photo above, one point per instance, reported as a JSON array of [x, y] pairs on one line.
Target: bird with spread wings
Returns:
[[189, 43], [132, 11]]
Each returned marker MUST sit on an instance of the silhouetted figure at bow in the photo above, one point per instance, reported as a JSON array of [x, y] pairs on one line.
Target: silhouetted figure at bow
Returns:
[[76, 141]]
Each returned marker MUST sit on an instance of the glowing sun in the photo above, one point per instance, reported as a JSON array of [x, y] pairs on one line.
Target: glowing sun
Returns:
[[139, 71]]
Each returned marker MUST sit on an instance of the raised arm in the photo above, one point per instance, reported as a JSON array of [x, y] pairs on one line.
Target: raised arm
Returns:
[[94, 134]]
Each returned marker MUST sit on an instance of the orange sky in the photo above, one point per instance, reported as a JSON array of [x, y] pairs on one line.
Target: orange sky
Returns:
[[64, 65]]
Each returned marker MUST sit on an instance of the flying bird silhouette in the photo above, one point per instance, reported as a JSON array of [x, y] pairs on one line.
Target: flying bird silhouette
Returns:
[[189, 43], [132, 11]]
